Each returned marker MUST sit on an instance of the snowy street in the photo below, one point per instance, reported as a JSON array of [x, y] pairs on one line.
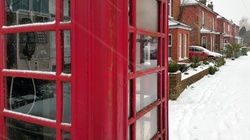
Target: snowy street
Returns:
[[217, 107]]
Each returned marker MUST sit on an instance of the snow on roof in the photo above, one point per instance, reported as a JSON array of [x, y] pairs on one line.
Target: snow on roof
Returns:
[[238, 37], [172, 24], [188, 1], [207, 31]]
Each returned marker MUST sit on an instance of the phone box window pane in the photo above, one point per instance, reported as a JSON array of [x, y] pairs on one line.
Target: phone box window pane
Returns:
[[66, 135], [20, 130], [32, 96], [147, 14], [18, 11], [30, 51], [67, 52], [146, 126], [66, 10], [146, 52], [130, 98], [67, 102], [146, 91]]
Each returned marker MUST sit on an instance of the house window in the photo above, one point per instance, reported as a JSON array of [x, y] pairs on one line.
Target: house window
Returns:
[[185, 45], [224, 26], [204, 41], [169, 45], [170, 8], [213, 24], [180, 45], [203, 18], [228, 28]]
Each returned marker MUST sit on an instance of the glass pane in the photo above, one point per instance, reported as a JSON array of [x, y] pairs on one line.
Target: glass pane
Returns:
[[29, 11], [66, 10], [147, 14], [129, 12], [146, 91], [67, 52], [67, 102], [66, 135], [20, 130], [146, 127], [129, 98], [130, 57], [30, 51], [146, 52], [129, 133], [32, 96]]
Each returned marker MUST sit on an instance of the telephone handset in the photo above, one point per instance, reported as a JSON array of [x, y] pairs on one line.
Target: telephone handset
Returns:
[[30, 45]]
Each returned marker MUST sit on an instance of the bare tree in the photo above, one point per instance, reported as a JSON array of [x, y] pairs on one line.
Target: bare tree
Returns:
[[244, 23]]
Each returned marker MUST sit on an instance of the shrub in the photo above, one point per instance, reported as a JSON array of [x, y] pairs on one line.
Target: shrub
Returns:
[[195, 61], [172, 66], [183, 66], [212, 70], [220, 61]]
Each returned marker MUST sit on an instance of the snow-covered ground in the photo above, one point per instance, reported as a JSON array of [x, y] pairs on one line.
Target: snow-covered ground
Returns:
[[217, 107]]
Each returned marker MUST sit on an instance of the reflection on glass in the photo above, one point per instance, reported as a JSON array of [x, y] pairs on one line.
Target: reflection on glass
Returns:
[[66, 135], [67, 102], [32, 96], [36, 10], [20, 130], [66, 10], [30, 51], [147, 14], [67, 52], [146, 127], [146, 91], [146, 52]]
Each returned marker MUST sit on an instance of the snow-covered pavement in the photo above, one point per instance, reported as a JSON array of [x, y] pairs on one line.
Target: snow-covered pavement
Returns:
[[217, 107]]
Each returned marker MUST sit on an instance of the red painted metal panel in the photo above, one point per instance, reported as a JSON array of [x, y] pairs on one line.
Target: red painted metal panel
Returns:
[[2, 87], [81, 97]]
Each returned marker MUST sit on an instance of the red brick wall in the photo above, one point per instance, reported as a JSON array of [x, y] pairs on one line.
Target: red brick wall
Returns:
[[220, 25], [177, 86], [176, 8], [192, 16], [175, 43]]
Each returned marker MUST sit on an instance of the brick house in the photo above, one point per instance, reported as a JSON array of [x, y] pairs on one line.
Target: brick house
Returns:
[[203, 20], [179, 34]]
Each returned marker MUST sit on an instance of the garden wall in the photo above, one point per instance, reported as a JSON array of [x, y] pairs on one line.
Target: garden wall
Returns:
[[176, 85]]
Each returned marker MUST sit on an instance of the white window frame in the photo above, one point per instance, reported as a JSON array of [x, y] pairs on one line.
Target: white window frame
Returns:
[[204, 41], [203, 18], [170, 3], [185, 45], [180, 45], [213, 24], [224, 27]]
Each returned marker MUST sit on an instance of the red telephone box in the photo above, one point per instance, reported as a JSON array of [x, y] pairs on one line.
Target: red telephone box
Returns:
[[83, 69]]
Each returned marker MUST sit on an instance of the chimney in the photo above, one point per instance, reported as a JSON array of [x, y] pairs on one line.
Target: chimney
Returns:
[[203, 1], [211, 6]]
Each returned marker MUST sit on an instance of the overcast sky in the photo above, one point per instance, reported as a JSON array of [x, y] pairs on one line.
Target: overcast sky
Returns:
[[232, 9]]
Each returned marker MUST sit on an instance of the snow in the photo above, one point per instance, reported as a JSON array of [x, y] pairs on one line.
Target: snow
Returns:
[[217, 107]]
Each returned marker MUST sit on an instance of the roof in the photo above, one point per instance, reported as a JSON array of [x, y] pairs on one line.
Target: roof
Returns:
[[195, 2], [173, 24]]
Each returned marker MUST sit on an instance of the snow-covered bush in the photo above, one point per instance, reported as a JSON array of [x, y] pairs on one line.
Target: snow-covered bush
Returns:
[[172, 66]]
